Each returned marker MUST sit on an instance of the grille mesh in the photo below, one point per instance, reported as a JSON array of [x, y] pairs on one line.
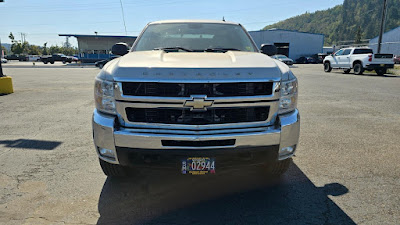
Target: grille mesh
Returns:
[[185, 116], [188, 89]]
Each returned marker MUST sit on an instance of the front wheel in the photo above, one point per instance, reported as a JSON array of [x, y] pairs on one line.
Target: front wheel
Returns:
[[327, 67], [277, 168], [358, 69], [381, 72], [64, 62], [112, 170]]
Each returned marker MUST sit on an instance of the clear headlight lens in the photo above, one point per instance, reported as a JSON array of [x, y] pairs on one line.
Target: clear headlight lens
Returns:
[[288, 100], [104, 96]]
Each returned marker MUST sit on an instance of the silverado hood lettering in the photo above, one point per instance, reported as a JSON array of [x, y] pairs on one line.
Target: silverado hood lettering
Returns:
[[159, 66]]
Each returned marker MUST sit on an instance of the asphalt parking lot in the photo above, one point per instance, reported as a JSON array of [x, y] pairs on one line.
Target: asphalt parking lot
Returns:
[[346, 170]]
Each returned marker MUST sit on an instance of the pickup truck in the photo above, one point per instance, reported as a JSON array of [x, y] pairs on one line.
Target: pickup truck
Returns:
[[358, 59], [196, 96], [56, 58]]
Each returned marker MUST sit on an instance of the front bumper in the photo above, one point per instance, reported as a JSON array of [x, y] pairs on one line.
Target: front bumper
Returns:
[[130, 144]]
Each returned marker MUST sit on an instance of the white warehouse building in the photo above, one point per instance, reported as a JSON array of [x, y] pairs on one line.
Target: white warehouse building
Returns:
[[390, 42], [293, 44]]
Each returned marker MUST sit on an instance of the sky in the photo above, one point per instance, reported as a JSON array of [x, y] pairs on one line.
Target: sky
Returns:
[[43, 20]]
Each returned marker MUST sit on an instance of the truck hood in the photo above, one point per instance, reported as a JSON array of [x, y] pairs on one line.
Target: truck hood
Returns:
[[160, 66]]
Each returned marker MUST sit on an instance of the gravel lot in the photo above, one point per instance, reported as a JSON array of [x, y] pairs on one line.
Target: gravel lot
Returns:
[[346, 170]]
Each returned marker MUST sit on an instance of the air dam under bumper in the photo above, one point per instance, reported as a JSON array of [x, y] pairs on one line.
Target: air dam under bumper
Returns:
[[121, 140]]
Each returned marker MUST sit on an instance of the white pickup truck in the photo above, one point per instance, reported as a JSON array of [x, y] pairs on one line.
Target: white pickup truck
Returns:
[[358, 59]]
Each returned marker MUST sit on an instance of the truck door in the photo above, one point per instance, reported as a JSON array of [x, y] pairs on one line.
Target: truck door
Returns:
[[344, 59], [336, 57]]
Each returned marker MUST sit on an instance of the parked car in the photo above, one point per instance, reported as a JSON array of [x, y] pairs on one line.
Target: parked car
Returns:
[[3, 60], [56, 58], [33, 58], [74, 58], [12, 57], [320, 57], [311, 60], [101, 63], [396, 59], [284, 59], [301, 60], [359, 59]]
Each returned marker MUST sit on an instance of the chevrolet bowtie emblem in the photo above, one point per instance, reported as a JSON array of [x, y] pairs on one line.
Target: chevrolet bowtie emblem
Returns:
[[198, 103]]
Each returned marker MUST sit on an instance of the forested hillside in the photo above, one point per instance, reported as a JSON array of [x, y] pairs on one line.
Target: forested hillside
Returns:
[[355, 19]]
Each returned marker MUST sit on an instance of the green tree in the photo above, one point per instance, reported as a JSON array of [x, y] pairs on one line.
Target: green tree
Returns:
[[11, 36], [34, 50], [64, 50], [358, 36], [44, 51], [17, 47], [342, 22]]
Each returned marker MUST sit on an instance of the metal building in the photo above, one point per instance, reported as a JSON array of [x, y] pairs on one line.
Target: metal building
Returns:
[[93, 48], [390, 42], [293, 44]]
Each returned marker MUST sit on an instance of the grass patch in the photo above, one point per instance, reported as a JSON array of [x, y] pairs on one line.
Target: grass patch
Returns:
[[395, 70]]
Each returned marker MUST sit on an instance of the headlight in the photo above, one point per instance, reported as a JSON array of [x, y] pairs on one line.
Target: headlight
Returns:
[[288, 100], [104, 96]]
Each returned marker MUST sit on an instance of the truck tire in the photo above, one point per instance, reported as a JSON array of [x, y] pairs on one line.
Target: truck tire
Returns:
[[52, 62], [45, 62], [327, 67], [346, 71], [358, 69], [280, 167], [112, 170], [381, 72], [64, 62]]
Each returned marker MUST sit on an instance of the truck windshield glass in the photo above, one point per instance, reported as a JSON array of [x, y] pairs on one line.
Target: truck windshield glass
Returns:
[[362, 51], [194, 36]]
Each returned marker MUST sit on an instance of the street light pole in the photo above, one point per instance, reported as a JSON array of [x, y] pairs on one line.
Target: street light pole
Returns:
[[382, 25], [1, 67], [1, 49]]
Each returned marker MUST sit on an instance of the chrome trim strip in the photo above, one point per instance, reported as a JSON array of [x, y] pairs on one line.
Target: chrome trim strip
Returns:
[[153, 141], [206, 80], [194, 132]]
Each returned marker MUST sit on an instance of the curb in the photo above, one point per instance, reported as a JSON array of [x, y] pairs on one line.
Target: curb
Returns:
[[6, 86]]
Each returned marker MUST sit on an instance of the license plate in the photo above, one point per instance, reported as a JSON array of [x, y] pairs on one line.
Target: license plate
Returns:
[[382, 64], [198, 165]]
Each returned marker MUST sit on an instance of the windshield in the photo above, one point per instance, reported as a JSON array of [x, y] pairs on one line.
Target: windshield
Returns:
[[194, 36], [281, 57]]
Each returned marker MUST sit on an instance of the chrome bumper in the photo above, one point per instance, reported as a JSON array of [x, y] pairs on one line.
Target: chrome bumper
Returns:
[[106, 136]]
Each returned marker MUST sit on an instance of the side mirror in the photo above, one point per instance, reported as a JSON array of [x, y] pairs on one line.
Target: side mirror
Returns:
[[269, 49], [120, 49]]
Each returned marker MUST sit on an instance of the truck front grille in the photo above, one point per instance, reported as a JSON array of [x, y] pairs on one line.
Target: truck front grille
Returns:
[[188, 89], [185, 116]]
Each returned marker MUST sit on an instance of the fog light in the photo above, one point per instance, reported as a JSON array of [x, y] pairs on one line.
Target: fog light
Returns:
[[287, 151], [107, 152]]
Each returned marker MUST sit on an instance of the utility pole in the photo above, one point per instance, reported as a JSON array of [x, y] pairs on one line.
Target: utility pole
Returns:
[[382, 25], [1, 67]]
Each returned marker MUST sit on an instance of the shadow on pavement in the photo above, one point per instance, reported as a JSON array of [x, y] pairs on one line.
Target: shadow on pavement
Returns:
[[235, 197], [31, 144]]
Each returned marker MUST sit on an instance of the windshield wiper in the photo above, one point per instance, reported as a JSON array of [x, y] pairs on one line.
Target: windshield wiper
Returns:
[[174, 48], [220, 49]]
